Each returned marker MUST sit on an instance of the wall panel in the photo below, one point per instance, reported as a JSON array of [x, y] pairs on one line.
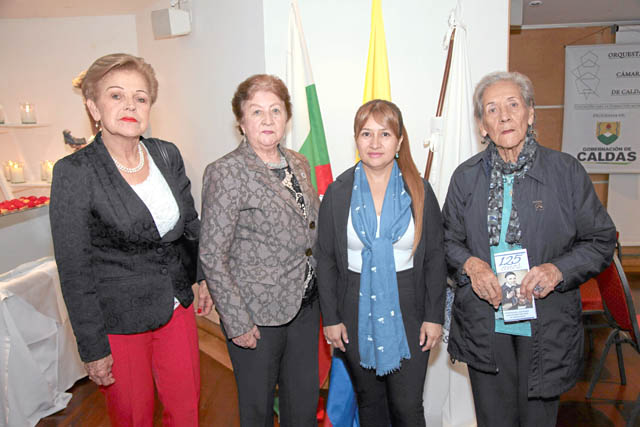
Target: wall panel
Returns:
[[540, 55]]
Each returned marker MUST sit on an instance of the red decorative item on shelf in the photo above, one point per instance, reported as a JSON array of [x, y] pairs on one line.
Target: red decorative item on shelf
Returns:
[[21, 204]]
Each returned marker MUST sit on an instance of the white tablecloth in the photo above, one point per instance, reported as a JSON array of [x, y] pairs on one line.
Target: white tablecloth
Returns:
[[25, 236], [38, 354]]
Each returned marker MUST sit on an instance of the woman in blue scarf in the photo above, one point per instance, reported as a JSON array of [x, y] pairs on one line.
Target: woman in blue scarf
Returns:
[[381, 270]]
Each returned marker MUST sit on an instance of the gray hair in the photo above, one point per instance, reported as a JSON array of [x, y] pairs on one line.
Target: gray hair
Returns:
[[522, 81]]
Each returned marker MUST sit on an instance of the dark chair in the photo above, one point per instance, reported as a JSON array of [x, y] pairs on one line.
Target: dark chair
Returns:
[[621, 316], [592, 307]]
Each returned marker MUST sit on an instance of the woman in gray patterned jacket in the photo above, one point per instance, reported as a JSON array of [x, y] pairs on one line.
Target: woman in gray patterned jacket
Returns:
[[259, 213]]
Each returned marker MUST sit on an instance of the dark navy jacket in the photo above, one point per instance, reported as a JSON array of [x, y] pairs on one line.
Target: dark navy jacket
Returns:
[[562, 223]]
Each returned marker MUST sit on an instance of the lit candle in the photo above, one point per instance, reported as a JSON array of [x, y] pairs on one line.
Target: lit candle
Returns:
[[27, 113], [17, 173], [45, 170], [49, 170]]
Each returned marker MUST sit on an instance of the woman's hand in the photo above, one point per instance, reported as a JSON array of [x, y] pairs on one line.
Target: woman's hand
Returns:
[[205, 302], [541, 280], [336, 336], [100, 371], [483, 281], [248, 340], [431, 333]]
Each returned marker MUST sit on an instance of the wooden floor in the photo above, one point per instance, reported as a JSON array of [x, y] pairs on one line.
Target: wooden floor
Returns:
[[218, 401], [610, 405]]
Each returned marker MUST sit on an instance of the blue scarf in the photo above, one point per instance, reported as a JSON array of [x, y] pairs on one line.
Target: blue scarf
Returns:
[[382, 340]]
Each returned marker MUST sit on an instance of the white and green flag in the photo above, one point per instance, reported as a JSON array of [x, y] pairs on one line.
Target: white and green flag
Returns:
[[307, 132]]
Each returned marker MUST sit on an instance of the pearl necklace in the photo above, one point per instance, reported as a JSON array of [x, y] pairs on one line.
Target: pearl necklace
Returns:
[[125, 169]]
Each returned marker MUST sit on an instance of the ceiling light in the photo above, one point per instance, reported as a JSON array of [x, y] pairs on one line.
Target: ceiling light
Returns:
[[535, 3]]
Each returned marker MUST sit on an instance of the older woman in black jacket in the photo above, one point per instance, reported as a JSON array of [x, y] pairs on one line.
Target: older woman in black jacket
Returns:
[[118, 208], [518, 194]]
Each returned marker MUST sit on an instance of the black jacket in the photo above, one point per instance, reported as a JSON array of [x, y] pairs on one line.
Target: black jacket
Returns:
[[562, 223], [331, 254], [117, 275]]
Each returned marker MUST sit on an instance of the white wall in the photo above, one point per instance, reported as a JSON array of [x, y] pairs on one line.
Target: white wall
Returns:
[[337, 34], [40, 57], [198, 74], [231, 40]]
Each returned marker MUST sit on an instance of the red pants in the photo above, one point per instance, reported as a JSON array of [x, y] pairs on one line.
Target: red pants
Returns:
[[169, 356]]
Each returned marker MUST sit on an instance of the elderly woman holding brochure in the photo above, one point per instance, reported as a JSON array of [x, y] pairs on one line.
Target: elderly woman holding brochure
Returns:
[[519, 195]]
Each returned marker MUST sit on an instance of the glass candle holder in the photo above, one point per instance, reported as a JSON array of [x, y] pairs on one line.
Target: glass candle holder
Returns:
[[46, 170], [43, 170], [6, 166], [49, 167], [27, 113], [17, 173]]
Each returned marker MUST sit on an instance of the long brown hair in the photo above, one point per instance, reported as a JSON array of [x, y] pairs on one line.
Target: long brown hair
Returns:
[[388, 115]]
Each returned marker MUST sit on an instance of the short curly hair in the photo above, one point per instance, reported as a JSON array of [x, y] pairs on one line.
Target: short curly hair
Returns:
[[256, 83], [88, 80], [523, 82]]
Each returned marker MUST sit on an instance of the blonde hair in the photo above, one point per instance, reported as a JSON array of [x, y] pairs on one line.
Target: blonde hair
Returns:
[[88, 80], [77, 83]]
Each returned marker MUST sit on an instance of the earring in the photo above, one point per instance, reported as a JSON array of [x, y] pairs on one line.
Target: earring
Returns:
[[98, 124], [397, 155], [531, 132]]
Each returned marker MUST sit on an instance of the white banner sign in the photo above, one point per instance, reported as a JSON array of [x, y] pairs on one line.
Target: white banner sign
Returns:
[[602, 107]]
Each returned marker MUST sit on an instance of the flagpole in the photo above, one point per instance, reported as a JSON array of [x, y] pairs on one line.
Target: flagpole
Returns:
[[443, 91]]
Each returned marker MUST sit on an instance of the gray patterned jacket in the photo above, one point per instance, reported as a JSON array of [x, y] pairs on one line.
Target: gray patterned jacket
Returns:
[[254, 240]]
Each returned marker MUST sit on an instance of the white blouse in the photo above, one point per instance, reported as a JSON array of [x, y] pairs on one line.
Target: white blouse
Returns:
[[401, 249], [156, 194]]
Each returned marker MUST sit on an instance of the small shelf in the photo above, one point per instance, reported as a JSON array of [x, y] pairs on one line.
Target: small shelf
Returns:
[[22, 126], [23, 211], [30, 184]]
